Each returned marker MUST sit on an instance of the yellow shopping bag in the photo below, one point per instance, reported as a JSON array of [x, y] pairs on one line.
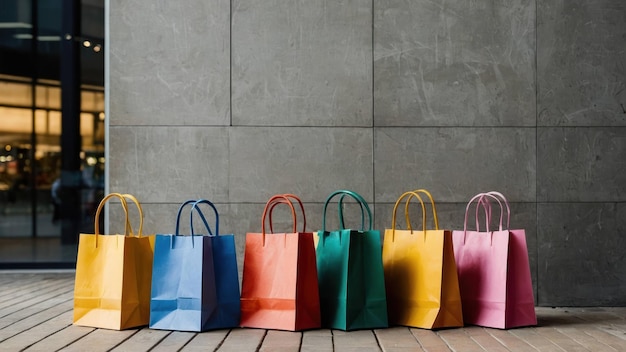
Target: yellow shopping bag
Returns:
[[113, 275], [420, 273]]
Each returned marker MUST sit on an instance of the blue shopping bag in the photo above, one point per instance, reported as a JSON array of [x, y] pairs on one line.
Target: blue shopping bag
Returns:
[[195, 285]]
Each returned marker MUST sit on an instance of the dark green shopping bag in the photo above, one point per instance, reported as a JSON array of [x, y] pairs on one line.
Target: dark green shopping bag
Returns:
[[350, 273]]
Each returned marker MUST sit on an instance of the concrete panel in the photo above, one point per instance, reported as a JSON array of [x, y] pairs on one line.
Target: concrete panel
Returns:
[[581, 76], [581, 254], [581, 164], [302, 63], [309, 162], [451, 216], [169, 62], [455, 163], [169, 164], [454, 63]]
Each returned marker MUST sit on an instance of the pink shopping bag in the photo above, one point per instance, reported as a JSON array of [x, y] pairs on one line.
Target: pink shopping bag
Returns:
[[494, 271]]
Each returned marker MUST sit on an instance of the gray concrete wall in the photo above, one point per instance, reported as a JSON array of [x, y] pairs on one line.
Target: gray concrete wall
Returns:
[[237, 101]]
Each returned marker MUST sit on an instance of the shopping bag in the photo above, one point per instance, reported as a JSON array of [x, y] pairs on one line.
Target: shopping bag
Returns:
[[350, 272], [420, 272], [195, 285], [494, 271], [113, 274], [279, 284]]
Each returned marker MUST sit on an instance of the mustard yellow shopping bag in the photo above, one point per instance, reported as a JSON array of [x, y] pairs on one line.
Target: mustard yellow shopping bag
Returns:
[[113, 275], [420, 273]]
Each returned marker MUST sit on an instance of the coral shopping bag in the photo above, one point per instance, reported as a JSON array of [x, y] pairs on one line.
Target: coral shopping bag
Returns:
[[350, 271], [279, 284], [195, 285], [113, 274], [494, 271], [420, 272]]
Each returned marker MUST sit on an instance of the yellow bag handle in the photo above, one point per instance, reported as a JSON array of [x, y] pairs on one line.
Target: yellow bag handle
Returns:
[[140, 210], [432, 202], [128, 230], [395, 208]]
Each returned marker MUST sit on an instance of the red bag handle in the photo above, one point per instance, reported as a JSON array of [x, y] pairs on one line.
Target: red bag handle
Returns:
[[282, 199]]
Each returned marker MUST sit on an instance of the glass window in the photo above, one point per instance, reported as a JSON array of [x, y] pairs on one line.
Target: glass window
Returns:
[[32, 219]]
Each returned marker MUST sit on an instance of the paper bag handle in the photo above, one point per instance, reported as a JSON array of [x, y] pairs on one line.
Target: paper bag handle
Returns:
[[432, 203], [282, 199], [197, 209], [480, 198], [506, 202], [356, 197], [340, 213], [127, 228], [395, 209], [279, 201]]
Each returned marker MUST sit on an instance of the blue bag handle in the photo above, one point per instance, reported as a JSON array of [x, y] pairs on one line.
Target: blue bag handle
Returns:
[[217, 217], [358, 199], [194, 207]]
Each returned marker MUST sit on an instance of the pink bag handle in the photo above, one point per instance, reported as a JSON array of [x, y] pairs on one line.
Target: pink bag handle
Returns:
[[506, 202], [486, 205], [482, 200]]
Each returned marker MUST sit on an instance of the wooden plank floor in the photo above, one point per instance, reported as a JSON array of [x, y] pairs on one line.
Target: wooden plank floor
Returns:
[[36, 315]]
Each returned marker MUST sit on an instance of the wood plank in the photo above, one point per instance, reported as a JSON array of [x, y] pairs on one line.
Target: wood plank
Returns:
[[484, 339], [317, 341], [31, 336], [243, 340], [31, 290], [175, 341], [99, 340], [540, 343], [60, 339], [57, 306], [579, 334], [458, 340], [510, 341], [397, 339], [608, 339], [360, 340], [144, 340], [281, 341], [430, 341], [27, 301], [206, 341], [560, 340]]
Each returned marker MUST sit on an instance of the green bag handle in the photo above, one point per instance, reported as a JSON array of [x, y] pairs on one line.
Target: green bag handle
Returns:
[[341, 222], [359, 200]]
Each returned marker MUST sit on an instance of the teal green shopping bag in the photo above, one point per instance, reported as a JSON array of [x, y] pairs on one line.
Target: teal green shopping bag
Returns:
[[350, 273]]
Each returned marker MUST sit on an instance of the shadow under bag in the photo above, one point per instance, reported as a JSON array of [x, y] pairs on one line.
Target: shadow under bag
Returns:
[[195, 285], [113, 274], [420, 272], [494, 271]]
